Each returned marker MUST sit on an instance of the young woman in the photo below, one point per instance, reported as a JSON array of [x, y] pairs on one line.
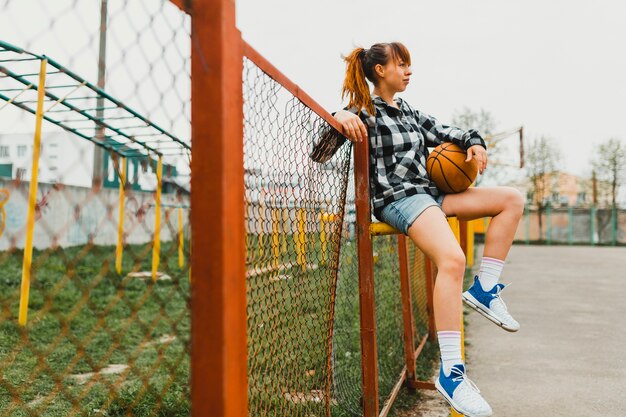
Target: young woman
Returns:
[[404, 197]]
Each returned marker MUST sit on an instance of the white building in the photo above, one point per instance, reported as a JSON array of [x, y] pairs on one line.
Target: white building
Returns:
[[64, 158], [68, 159]]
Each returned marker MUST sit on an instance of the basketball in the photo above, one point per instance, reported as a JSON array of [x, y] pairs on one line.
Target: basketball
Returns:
[[447, 168]]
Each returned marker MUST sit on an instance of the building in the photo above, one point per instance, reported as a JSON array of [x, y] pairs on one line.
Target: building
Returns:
[[566, 190], [68, 159], [64, 158]]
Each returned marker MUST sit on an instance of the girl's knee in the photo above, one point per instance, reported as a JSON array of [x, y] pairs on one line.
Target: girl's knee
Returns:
[[453, 264], [510, 200], [515, 201]]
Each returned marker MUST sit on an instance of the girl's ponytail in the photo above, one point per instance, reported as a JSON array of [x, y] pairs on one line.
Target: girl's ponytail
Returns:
[[355, 86]]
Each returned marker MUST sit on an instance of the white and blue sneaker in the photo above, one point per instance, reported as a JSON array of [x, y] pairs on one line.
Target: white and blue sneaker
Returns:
[[461, 393], [490, 305]]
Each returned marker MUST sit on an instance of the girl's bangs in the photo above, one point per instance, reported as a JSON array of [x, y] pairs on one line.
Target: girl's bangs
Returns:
[[399, 52]]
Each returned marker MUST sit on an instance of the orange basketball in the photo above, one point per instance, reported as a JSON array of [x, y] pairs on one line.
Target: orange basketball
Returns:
[[447, 168]]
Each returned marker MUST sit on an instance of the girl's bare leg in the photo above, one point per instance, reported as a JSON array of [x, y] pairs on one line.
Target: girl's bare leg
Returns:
[[504, 204], [433, 236]]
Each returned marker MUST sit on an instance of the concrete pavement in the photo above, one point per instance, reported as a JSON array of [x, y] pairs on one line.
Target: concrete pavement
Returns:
[[568, 359]]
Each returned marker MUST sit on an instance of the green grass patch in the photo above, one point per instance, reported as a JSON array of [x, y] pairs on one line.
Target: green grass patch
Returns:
[[83, 318]]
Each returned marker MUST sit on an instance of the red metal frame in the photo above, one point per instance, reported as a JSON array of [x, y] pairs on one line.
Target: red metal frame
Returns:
[[367, 304], [184, 5], [219, 338], [218, 291]]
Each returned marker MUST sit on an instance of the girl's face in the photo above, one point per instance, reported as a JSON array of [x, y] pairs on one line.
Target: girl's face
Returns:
[[395, 75]]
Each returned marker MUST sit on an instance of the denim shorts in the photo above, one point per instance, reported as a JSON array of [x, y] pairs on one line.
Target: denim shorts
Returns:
[[402, 213]]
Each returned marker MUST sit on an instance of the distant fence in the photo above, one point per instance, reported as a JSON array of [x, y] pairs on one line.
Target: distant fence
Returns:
[[70, 216], [573, 226]]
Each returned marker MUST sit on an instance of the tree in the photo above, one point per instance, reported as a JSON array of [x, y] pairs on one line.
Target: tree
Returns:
[[609, 165], [540, 166]]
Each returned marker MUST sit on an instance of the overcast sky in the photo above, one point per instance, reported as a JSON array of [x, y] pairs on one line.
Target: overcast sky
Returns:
[[556, 67]]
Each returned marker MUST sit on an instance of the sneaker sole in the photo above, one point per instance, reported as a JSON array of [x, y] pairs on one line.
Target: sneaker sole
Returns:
[[453, 404], [472, 302]]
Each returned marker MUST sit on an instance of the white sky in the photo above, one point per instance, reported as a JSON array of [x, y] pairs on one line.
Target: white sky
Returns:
[[556, 67]]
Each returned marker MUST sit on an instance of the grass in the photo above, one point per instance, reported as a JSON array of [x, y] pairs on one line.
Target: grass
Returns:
[[83, 317]]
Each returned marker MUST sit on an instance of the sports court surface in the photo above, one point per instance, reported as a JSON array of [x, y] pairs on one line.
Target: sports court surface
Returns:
[[568, 357]]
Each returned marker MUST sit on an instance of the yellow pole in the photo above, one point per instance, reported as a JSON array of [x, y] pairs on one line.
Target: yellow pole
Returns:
[[284, 229], [261, 226], [156, 249], [454, 225], [120, 225], [470, 244], [181, 239], [275, 236], [300, 240], [323, 236], [32, 199]]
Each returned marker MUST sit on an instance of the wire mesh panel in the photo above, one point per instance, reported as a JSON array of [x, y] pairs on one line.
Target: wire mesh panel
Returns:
[[294, 213], [417, 279], [94, 204], [389, 325], [347, 379]]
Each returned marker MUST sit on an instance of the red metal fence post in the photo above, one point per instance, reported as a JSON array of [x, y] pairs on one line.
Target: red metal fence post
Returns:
[[367, 304], [218, 295]]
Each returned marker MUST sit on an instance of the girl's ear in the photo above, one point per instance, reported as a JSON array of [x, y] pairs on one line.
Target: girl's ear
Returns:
[[379, 70]]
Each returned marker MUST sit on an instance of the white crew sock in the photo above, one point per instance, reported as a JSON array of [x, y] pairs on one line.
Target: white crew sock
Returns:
[[450, 348], [489, 274]]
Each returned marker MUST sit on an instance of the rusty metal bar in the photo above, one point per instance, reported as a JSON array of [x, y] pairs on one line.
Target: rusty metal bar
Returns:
[[407, 309], [394, 393], [184, 5], [367, 305], [218, 293], [416, 384]]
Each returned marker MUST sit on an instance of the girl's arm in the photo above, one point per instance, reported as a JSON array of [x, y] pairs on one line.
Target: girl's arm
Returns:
[[436, 133], [353, 127]]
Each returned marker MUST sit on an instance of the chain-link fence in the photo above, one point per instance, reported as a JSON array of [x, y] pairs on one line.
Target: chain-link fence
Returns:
[[95, 230], [94, 190], [294, 212], [573, 226], [304, 350]]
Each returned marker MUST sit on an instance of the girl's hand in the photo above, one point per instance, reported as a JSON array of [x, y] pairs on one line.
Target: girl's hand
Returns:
[[353, 128], [480, 154]]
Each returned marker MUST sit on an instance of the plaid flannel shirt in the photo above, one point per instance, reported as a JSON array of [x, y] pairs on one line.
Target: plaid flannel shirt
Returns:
[[398, 150]]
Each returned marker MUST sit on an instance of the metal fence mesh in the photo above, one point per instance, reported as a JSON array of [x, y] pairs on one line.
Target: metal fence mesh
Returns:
[[103, 298], [107, 326], [294, 213]]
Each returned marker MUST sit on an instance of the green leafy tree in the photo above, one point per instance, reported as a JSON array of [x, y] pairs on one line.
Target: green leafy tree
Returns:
[[609, 165], [540, 166]]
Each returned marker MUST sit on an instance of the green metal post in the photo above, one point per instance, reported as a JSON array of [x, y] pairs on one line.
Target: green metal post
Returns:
[[614, 226], [593, 225], [549, 224], [527, 219], [570, 226]]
